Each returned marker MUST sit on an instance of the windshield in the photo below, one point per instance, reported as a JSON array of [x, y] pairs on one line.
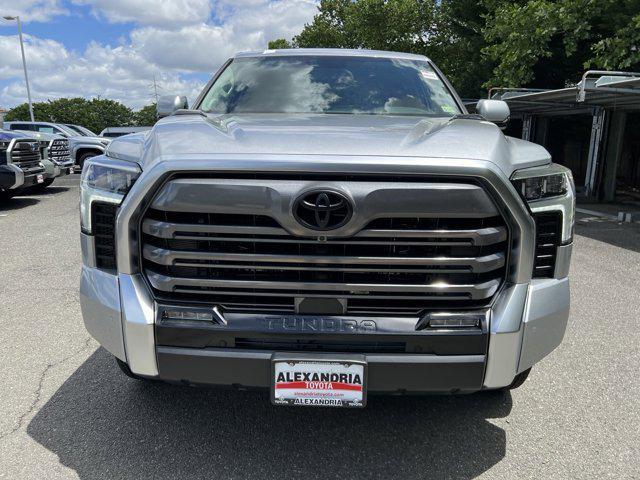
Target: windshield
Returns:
[[70, 132], [325, 84], [85, 132]]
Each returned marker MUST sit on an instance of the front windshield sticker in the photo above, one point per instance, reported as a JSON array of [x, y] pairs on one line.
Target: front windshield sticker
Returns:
[[429, 75]]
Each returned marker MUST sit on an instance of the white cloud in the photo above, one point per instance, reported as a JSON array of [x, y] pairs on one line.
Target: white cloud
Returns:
[[165, 13], [247, 25], [41, 54], [117, 73], [33, 10], [159, 46]]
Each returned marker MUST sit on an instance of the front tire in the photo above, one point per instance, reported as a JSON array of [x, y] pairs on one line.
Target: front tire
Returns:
[[85, 156], [6, 195]]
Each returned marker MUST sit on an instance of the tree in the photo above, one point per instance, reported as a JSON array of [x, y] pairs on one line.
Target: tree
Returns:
[[279, 44], [95, 114], [544, 43], [146, 116], [457, 45], [404, 25]]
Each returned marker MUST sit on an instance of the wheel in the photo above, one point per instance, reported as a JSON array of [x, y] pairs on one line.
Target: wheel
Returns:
[[126, 370], [6, 195], [518, 380], [84, 157]]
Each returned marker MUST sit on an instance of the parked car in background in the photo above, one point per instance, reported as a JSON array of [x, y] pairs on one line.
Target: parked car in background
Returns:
[[327, 223], [114, 132], [56, 156], [81, 146], [20, 163]]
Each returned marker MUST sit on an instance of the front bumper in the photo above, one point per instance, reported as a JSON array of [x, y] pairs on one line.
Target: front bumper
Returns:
[[33, 179], [55, 169], [526, 323], [11, 177]]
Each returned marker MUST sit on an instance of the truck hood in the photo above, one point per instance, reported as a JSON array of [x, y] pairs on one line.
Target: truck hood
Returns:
[[40, 135], [90, 140], [323, 134], [7, 136]]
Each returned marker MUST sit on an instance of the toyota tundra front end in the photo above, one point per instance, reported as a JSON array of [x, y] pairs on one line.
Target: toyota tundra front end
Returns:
[[327, 224]]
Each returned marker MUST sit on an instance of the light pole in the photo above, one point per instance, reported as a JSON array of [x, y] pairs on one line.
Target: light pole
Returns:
[[24, 62]]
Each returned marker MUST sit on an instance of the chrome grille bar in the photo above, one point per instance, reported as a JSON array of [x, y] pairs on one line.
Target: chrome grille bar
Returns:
[[168, 257], [484, 290], [483, 236]]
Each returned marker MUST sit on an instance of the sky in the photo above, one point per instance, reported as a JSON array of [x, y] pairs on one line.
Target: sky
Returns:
[[114, 48]]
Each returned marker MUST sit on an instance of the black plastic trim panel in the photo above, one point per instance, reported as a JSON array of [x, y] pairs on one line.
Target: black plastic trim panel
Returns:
[[386, 373]]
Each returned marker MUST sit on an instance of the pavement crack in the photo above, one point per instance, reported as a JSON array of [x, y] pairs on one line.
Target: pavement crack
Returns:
[[38, 393]]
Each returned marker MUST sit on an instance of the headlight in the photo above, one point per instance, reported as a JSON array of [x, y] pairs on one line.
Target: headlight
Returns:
[[549, 188], [104, 180], [3, 152], [542, 182]]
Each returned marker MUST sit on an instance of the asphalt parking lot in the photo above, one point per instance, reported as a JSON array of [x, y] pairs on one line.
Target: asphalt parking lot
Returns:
[[68, 412]]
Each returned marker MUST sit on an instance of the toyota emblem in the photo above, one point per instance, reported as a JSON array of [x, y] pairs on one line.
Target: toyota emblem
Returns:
[[323, 210]]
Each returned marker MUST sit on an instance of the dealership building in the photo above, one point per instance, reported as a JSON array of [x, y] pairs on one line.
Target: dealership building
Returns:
[[593, 128]]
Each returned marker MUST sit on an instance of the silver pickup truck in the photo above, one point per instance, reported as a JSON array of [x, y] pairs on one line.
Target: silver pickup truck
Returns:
[[327, 224], [83, 144], [55, 157], [20, 163]]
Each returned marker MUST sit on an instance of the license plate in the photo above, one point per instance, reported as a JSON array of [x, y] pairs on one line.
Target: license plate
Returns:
[[319, 383], [40, 178]]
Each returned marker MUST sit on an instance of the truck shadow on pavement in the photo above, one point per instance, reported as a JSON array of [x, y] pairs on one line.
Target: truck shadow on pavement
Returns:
[[104, 425], [51, 190], [17, 203]]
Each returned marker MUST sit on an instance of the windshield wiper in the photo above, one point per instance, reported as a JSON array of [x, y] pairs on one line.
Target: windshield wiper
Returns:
[[467, 116]]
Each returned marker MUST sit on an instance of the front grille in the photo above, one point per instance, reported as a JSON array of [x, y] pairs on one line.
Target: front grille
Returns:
[[298, 345], [548, 228], [59, 150], [25, 154], [396, 265], [103, 224]]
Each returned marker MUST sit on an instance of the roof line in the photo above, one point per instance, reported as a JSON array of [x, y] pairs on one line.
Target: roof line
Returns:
[[350, 52]]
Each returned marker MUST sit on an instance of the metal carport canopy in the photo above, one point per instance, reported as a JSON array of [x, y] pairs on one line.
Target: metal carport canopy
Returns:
[[610, 90]]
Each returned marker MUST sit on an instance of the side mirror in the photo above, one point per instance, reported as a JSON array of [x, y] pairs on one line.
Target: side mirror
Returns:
[[168, 104], [496, 111]]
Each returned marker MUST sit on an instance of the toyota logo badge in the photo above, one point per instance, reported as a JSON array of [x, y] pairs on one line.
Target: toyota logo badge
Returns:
[[323, 210]]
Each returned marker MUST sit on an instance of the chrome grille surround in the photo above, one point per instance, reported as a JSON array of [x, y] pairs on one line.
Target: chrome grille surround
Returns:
[[25, 154], [412, 245], [159, 170]]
